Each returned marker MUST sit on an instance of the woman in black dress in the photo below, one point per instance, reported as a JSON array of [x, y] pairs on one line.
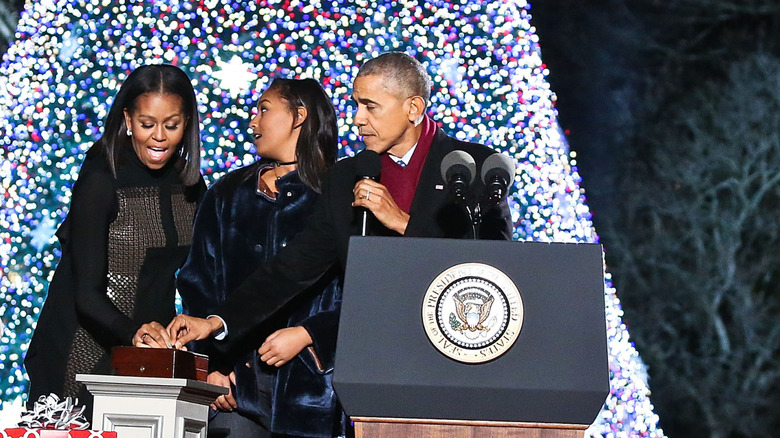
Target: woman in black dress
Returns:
[[127, 232]]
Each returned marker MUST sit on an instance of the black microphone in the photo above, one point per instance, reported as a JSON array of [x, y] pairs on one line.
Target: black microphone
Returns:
[[498, 171], [458, 170], [368, 165]]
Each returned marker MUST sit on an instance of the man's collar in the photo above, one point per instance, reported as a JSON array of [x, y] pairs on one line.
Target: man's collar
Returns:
[[403, 161]]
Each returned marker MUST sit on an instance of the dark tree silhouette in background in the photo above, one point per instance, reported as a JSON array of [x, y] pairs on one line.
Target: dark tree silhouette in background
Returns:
[[680, 104], [697, 246]]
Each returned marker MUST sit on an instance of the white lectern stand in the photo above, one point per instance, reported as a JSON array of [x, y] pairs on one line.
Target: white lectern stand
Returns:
[[151, 407]]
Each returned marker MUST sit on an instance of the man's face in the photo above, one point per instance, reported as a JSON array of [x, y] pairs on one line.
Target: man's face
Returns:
[[382, 118]]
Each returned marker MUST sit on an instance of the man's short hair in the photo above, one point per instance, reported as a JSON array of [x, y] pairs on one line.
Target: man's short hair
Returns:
[[404, 75]]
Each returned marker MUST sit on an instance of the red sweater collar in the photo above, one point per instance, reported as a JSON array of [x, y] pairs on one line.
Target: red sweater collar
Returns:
[[402, 182]]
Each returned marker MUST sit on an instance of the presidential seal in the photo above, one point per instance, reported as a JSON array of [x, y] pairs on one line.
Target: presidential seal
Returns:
[[472, 313]]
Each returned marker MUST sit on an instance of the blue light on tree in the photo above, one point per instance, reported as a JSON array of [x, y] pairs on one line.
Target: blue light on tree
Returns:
[[59, 77]]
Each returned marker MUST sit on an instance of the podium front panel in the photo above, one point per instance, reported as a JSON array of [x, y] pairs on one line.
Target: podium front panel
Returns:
[[555, 372]]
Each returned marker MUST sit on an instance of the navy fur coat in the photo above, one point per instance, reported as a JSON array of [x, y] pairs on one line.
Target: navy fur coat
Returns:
[[238, 229]]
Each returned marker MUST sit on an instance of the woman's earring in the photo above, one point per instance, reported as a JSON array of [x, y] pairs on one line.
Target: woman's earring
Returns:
[[129, 132]]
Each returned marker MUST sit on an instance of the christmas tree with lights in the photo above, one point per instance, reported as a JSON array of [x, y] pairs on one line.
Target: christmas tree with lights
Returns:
[[58, 79]]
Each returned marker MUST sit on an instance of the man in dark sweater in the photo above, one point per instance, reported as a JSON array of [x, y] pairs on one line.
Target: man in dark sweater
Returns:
[[392, 93]]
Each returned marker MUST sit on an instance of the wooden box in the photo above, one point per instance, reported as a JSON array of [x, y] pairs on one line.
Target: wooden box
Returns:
[[159, 362]]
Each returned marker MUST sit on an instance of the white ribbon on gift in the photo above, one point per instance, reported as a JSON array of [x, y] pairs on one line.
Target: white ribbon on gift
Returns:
[[49, 412]]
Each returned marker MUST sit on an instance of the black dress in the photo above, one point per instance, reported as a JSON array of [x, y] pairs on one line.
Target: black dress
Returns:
[[122, 242]]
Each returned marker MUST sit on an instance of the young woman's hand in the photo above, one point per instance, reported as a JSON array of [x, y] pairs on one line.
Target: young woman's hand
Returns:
[[283, 345], [225, 402]]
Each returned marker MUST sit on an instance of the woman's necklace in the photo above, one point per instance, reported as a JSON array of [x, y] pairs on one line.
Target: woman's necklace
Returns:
[[278, 164], [265, 188]]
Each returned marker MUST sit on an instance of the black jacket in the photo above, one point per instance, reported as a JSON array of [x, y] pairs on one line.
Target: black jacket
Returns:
[[236, 230], [324, 241]]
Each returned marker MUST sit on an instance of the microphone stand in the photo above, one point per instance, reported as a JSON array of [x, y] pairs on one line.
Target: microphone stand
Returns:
[[462, 198], [476, 219]]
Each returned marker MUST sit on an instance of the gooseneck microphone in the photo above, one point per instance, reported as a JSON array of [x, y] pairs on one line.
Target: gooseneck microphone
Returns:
[[458, 170], [368, 165], [498, 172]]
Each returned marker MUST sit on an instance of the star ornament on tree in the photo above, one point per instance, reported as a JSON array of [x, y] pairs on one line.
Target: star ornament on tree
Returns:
[[43, 235], [234, 76]]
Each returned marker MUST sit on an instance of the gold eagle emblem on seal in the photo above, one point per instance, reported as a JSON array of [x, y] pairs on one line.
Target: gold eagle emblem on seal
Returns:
[[472, 313]]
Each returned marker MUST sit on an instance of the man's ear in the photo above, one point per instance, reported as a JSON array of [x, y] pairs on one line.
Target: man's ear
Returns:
[[300, 116], [416, 109]]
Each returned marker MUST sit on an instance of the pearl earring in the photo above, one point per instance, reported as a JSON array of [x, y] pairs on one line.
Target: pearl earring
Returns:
[[129, 132]]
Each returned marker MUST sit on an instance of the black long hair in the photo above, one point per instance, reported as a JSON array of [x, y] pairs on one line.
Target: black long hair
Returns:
[[160, 78], [317, 147]]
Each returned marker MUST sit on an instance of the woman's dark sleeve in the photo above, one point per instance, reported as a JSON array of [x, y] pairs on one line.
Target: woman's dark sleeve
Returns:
[[93, 207], [309, 255], [323, 329], [200, 281]]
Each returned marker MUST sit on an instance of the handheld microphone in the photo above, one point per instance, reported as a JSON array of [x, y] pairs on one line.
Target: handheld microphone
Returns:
[[498, 171], [458, 170], [368, 165]]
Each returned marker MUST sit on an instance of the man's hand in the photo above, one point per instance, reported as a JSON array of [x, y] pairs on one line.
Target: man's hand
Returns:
[[375, 197], [283, 345], [225, 402], [185, 328], [154, 335]]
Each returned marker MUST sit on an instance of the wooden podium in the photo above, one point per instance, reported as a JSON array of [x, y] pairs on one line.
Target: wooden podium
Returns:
[[394, 378], [366, 427]]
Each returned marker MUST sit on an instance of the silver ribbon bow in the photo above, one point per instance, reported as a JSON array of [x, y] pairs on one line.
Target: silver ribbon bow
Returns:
[[49, 412]]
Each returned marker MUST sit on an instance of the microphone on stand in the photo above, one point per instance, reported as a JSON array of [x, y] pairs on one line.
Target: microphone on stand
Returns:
[[368, 165], [458, 170], [498, 172]]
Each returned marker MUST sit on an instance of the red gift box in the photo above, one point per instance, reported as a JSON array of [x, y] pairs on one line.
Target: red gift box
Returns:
[[23, 432], [91, 434]]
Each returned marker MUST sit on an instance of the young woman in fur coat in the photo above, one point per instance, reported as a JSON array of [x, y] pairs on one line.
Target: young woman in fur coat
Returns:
[[280, 376]]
